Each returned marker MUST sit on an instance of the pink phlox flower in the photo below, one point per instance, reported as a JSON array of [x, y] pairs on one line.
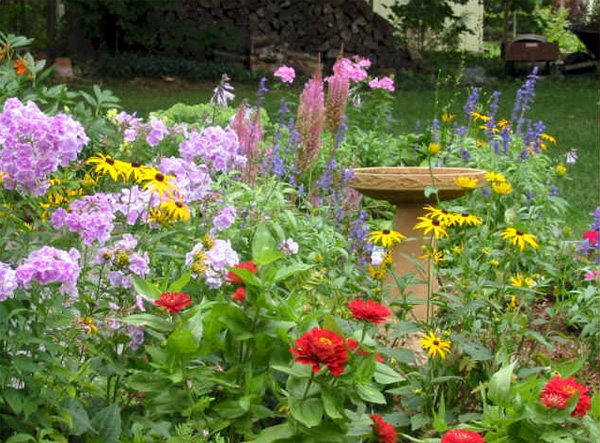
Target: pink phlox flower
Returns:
[[383, 83], [285, 73]]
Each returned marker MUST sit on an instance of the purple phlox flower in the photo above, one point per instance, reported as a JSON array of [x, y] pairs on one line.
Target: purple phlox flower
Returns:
[[217, 147], [192, 180], [91, 216], [222, 92], [8, 281], [356, 71], [157, 131], [471, 104], [595, 225], [523, 100], [311, 117], [386, 83], [134, 203], [139, 303], [34, 145], [124, 261], [218, 258], [49, 265], [289, 247], [136, 336], [225, 218], [113, 306], [285, 73]]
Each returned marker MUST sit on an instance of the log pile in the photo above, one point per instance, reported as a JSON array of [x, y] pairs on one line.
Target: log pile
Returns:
[[300, 32]]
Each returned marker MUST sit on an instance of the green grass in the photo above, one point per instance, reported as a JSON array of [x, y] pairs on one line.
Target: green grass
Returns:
[[569, 108]]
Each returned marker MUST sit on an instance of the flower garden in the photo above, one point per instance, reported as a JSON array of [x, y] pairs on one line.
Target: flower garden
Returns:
[[210, 274]]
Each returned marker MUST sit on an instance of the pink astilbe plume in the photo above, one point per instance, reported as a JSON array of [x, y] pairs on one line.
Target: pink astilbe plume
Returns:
[[311, 117], [337, 96], [246, 125]]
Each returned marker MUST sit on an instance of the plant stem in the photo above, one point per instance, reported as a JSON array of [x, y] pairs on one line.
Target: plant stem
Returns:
[[312, 376]]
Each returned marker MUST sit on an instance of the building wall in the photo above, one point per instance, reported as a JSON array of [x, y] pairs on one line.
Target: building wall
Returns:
[[473, 11]]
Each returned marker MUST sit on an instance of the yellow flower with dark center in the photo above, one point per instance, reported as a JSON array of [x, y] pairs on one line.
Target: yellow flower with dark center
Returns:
[[519, 238], [441, 215], [458, 249], [502, 188], [388, 259], [434, 148], [478, 116], [434, 255], [513, 305], [480, 143], [448, 117], [547, 137], [158, 216], [431, 225], [561, 170], [489, 128], [137, 170], [435, 345], [466, 182], [518, 281], [494, 262], [105, 164], [468, 219], [386, 238], [88, 181], [377, 272], [176, 210], [88, 324], [158, 182], [503, 124], [493, 177]]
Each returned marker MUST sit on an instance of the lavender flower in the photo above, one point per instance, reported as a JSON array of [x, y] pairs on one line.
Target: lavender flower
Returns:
[[471, 104], [33, 145], [262, 90], [524, 98], [49, 265], [8, 281], [221, 255], [157, 131]]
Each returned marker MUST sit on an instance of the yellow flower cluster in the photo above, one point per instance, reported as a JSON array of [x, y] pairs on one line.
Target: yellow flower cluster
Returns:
[[437, 221], [519, 238], [466, 182], [388, 239]]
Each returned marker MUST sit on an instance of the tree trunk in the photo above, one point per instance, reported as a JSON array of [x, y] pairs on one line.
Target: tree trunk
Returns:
[[51, 28]]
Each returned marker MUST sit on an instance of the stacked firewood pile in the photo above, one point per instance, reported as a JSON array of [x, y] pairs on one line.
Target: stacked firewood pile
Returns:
[[302, 32]]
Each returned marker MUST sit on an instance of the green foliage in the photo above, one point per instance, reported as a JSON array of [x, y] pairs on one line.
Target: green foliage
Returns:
[[553, 23]]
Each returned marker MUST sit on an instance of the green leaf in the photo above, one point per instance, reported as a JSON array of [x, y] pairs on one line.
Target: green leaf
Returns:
[[308, 411], [430, 190], [180, 283], [439, 417], [499, 391], [418, 421], [288, 271], [264, 246], [19, 438], [107, 423], [275, 433], [81, 420], [182, 342], [365, 370], [14, 398], [400, 354], [229, 409], [476, 350], [329, 322], [247, 277], [297, 370], [145, 288], [152, 321], [571, 369], [332, 404], [370, 393], [386, 375]]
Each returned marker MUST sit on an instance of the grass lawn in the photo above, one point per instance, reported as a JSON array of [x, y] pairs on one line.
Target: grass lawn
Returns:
[[568, 106]]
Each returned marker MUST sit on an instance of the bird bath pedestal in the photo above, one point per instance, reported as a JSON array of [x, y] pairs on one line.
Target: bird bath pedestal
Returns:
[[405, 188]]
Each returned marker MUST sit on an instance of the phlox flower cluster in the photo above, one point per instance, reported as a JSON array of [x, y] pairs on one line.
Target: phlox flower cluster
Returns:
[[133, 128], [383, 83], [49, 265], [33, 145], [191, 180], [285, 73], [356, 70], [217, 147], [130, 124], [133, 203], [124, 262], [8, 281], [212, 262], [225, 218], [92, 216], [289, 247]]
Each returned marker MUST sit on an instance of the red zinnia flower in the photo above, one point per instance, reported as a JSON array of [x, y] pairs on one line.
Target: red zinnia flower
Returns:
[[592, 236], [462, 436], [239, 295], [565, 388], [384, 431], [352, 344], [236, 279], [322, 346], [369, 311], [173, 301]]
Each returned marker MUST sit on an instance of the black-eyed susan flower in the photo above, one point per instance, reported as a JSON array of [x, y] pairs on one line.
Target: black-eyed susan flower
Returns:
[[458, 249], [502, 188], [561, 170], [519, 238], [513, 304], [377, 272], [468, 219], [388, 259], [493, 177], [386, 237], [548, 137], [435, 345], [176, 210], [519, 281], [466, 182], [448, 117], [434, 255], [431, 225], [494, 262], [158, 182], [434, 148], [480, 143], [106, 165], [88, 181], [441, 215], [137, 171], [479, 116], [503, 124]]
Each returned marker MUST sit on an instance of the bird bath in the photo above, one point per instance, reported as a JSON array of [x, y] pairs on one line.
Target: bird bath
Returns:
[[405, 187]]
